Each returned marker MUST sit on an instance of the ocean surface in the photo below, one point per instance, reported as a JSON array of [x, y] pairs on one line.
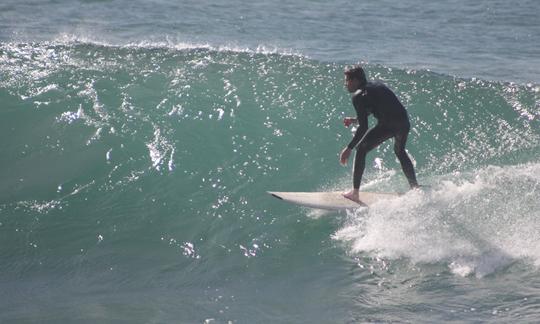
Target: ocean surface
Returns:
[[138, 140]]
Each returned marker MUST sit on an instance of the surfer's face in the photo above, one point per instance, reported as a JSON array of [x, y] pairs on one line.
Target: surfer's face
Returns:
[[352, 84]]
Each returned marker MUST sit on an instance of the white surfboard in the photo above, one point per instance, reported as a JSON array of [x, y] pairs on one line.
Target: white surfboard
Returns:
[[331, 200]]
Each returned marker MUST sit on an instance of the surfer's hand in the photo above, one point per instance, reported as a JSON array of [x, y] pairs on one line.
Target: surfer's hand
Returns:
[[344, 156], [347, 121]]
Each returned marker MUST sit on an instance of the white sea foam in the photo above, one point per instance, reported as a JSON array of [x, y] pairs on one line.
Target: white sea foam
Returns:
[[476, 223]]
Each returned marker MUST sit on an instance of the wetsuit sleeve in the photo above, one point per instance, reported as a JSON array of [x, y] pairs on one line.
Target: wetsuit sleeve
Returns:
[[362, 116]]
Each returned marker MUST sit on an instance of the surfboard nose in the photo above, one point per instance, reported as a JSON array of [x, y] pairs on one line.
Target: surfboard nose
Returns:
[[274, 194]]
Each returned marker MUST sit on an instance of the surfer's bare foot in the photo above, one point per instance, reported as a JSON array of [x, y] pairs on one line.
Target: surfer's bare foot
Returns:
[[352, 195]]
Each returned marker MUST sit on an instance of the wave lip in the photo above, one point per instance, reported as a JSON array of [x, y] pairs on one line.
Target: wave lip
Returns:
[[174, 44]]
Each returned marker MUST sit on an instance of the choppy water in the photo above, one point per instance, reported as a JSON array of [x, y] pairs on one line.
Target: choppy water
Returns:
[[135, 162]]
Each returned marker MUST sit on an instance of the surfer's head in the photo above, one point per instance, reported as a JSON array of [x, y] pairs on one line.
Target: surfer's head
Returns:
[[355, 78]]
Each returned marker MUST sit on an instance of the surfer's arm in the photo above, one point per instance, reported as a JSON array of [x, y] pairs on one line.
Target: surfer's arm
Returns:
[[362, 119]]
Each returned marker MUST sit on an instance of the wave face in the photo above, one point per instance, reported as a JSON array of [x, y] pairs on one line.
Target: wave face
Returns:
[[133, 184]]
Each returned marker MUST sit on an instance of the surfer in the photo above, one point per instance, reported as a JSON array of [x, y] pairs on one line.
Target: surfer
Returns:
[[392, 121]]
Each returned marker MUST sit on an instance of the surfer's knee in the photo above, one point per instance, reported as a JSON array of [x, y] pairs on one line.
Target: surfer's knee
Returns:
[[400, 152], [362, 148]]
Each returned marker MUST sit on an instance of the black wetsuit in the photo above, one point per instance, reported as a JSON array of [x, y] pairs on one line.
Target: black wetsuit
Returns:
[[393, 121]]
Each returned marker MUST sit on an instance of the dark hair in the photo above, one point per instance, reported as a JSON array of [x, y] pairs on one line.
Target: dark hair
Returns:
[[356, 72]]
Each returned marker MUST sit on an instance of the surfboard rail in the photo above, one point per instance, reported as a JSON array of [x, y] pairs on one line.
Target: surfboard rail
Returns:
[[332, 200]]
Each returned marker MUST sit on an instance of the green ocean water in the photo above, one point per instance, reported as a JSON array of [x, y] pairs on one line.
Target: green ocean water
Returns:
[[133, 187]]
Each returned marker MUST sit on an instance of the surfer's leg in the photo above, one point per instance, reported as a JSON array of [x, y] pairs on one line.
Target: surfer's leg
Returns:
[[373, 138], [404, 159]]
